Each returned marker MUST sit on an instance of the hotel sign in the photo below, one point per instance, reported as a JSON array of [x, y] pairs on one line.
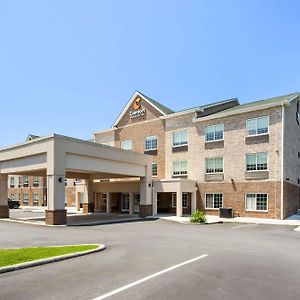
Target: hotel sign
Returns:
[[137, 111]]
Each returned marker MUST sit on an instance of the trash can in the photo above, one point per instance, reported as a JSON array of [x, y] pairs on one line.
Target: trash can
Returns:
[[226, 212]]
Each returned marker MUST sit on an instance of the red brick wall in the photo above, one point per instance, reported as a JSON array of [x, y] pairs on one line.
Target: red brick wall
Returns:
[[234, 196]]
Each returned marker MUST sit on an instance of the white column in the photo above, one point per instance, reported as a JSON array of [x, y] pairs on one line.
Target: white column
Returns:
[[131, 204], [55, 191], [89, 191], [154, 203], [108, 203], [179, 203], [193, 201], [77, 197]]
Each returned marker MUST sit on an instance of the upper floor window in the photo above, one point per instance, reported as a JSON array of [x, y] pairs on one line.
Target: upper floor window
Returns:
[[214, 133], [25, 181], [257, 126], [35, 181], [126, 145], [154, 169], [256, 202], [214, 165], [151, 143], [12, 182], [179, 167], [180, 138], [257, 161]]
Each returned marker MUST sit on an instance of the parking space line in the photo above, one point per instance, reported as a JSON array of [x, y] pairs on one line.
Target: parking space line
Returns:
[[128, 286], [240, 226]]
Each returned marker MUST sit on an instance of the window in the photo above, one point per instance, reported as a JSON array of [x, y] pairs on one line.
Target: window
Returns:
[[35, 199], [81, 197], [104, 198], [180, 138], [179, 167], [214, 132], [257, 126], [213, 201], [25, 199], [151, 143], [154, 169], [214, 165], [12, 182], [184, 200], [257, 161], [25, 181], [256, 202], [35, 181], [126, 145], [174, 199]]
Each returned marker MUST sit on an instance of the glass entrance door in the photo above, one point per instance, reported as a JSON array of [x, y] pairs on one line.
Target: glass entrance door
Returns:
[[125, 202]]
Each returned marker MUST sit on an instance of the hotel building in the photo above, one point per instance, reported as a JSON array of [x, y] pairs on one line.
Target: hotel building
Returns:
[[224, 154]]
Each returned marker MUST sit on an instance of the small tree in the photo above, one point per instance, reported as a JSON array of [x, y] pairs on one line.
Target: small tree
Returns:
[[198, 217]]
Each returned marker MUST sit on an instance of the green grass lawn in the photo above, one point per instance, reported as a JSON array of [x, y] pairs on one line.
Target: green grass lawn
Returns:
[[10, 257]]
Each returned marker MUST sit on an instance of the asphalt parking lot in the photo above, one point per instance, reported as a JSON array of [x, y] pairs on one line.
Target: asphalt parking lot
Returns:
[[231, 261]]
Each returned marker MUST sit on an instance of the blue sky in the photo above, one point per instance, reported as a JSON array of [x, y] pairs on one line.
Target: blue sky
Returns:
[[70, 67]]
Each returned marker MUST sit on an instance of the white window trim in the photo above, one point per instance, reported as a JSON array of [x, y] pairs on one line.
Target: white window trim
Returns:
[[24, 197], [208, 208], [127, 141], [179, 175], [214, 172], [214, 125], [251, 171], [154, 163], [255, 210], [151, 137], [187, 138], [258, 134]]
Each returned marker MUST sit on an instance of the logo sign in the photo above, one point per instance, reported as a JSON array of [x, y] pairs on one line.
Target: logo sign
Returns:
[[137, 109], [298, 113]]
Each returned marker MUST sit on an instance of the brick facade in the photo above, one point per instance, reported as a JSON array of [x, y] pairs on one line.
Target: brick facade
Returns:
[[235, 182]]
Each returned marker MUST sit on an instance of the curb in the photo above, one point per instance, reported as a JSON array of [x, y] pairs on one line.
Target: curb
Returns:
[[44, 261]]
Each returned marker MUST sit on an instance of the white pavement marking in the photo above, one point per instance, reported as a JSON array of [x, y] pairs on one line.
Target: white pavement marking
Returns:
[[244, 226], [128, 286]]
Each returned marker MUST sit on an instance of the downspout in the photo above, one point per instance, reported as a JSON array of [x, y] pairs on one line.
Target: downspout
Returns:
[[282, 165]]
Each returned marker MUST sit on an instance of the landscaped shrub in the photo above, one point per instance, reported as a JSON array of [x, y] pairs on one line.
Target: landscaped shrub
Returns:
[[198, 216]]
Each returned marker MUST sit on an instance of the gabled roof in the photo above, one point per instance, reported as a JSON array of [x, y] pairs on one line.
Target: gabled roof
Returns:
[[31, 137], [270, 101], [161, 108], [215, 107], [257, 105], [156, 104]]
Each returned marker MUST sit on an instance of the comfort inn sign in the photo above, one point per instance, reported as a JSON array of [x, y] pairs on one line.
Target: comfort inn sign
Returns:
[[137, 111]]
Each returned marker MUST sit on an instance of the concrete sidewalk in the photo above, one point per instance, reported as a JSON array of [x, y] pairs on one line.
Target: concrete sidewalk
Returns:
[[292, 220]]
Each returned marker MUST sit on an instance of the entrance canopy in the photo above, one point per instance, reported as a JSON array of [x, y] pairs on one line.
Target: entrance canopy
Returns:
[[58, 157]]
